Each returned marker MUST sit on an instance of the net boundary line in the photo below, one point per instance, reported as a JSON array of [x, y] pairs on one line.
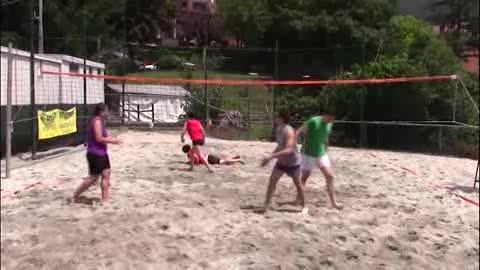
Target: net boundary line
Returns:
[[224, 81], [414, 173]]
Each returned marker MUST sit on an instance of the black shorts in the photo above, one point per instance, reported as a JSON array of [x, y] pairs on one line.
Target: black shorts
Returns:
[[213, 160], [199, 142], [97, 164], [291, 171]]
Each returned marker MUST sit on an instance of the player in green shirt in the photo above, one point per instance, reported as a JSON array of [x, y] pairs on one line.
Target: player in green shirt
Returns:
[[316, 131]]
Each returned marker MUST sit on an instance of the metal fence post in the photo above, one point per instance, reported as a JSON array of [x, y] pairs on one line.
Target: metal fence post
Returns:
[[32, 81], [248, 105], [123, 102], [123, 71], [84, 38], [207, 96], [8, 135], [363, 101], [276, 78], [138, 112], [153, 113], [129, 110], [440, 141]]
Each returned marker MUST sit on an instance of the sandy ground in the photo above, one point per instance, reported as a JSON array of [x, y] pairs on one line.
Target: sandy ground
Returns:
[[163, 217]]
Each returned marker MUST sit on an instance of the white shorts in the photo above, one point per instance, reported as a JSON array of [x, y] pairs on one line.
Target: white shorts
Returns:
[[309, 163]]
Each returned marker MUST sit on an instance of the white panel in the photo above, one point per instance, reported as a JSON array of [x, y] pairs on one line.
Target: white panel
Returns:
[[49, 89], [47, 86], [3, 76], [167, 109]]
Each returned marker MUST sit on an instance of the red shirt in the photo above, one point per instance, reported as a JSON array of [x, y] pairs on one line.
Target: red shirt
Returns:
[[194, 129], [196, 157]]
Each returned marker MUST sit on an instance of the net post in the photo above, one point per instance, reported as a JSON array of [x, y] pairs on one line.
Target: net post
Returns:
[[8, 135], [32, 80], [475, 105]]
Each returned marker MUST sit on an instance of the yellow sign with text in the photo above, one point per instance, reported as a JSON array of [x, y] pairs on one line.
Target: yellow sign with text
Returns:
[[56, 123]]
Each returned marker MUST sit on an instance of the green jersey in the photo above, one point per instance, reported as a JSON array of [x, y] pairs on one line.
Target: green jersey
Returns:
[[316, 137]]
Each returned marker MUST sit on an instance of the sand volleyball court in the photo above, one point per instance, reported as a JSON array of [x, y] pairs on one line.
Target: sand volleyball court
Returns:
[[164, 217]]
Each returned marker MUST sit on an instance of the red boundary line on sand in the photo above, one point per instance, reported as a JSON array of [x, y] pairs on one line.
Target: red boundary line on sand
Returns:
[[224, 81], [471, 201], [11, 194]]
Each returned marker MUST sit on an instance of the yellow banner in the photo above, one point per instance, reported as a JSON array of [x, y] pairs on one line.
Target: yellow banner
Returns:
[[56, 123]]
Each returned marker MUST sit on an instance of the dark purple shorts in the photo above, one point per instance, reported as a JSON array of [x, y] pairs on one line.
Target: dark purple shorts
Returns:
[[291, 171]]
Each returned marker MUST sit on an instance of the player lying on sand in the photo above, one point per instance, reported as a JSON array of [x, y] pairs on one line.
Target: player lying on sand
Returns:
[[194, 158], [288, 161], [197, 134]]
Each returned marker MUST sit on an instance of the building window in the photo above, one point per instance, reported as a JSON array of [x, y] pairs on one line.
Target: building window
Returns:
[[90, 70], [99, 72], [74, 68]]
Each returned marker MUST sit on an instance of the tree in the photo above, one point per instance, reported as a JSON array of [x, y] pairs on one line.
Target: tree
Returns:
[[15, 25], [459, 23], [329, 23], [66, 20], [247, 20], [413, 49]]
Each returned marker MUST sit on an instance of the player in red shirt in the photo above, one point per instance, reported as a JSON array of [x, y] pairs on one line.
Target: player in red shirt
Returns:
[[195, 130], [211, 159]]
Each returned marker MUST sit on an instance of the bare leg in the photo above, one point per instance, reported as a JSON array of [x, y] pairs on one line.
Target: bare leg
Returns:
[[87, 182], [300, 191], [330, 189], [105, 184], [230, 161], [305, 175], [272, 184], [203, 158]]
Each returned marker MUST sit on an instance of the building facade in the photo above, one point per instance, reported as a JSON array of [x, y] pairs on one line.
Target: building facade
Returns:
[[52, 91]]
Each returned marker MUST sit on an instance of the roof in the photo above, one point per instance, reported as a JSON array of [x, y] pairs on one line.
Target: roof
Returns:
[[150, 89], [27, 54], [76, 60]]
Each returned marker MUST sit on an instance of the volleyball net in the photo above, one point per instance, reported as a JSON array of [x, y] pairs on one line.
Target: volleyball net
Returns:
[[411, 113], [240, 90]]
